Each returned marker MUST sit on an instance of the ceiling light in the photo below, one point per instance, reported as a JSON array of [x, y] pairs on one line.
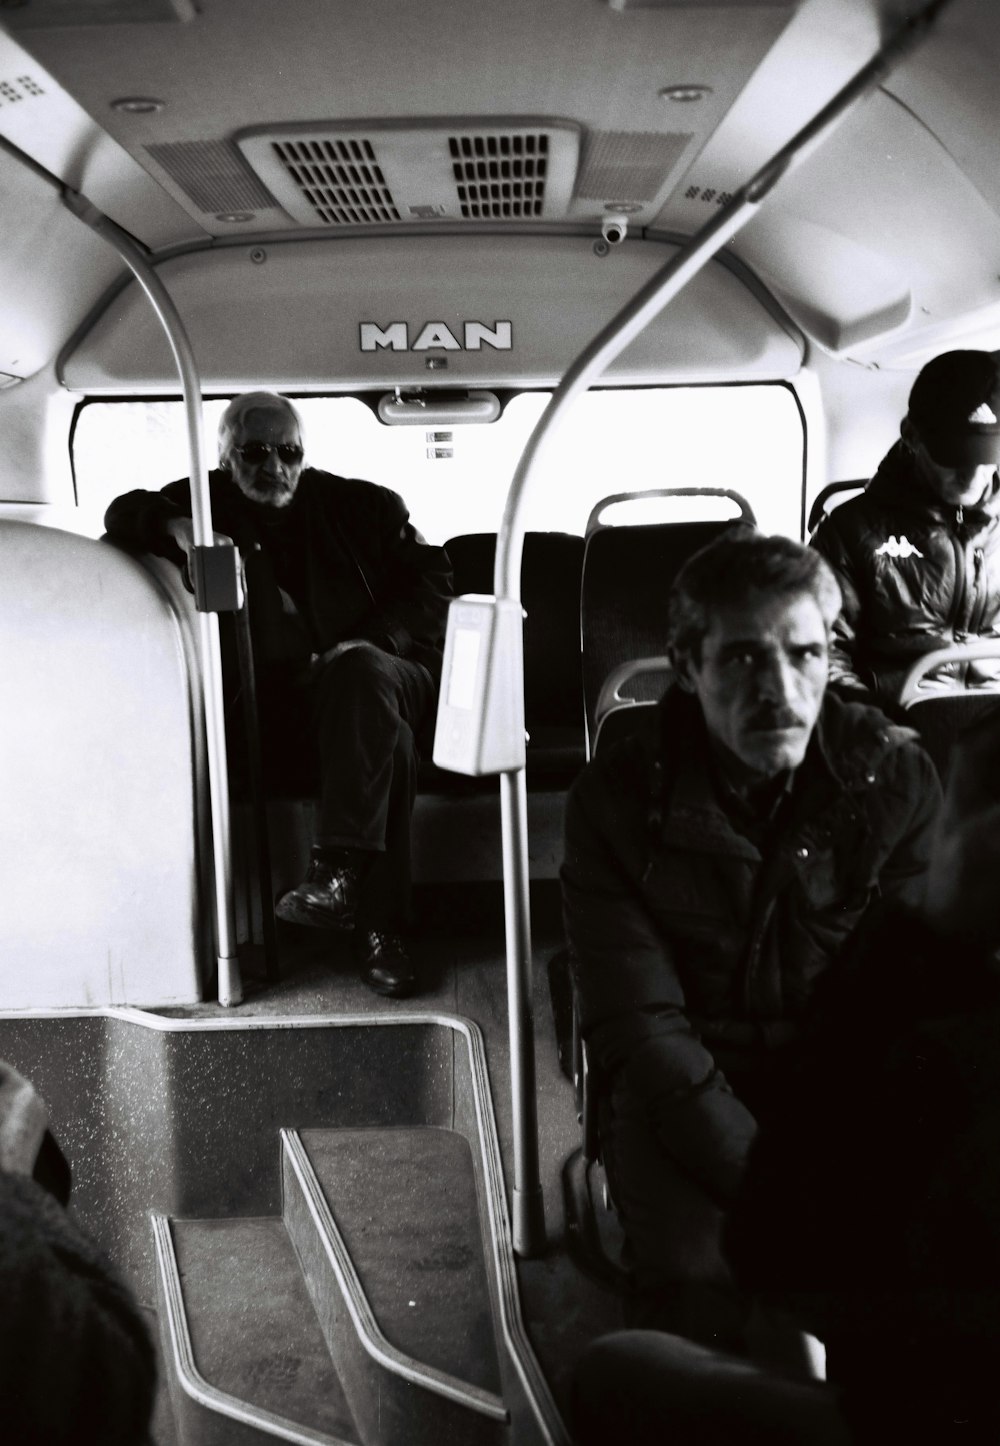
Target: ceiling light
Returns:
[[234, 216], [137, 104], [685, 92]]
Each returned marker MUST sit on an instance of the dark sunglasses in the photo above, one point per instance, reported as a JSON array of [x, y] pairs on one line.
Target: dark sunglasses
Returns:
[[257, 452]]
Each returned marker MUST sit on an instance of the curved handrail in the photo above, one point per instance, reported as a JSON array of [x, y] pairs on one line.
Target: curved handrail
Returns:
[[594, 524], [953, 653], [818, 510], [610, 695], [230, 987]]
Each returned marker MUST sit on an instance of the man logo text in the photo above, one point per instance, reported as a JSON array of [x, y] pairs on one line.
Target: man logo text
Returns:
[[435, 336]]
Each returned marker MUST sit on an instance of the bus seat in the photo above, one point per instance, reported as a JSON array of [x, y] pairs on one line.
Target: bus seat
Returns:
[[100, 826], [627, 572], [940, 713], [626, 693], [551, 570], [823, 504]]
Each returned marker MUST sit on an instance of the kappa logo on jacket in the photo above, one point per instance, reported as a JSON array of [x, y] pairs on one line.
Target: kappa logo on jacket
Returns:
[[898, 547]]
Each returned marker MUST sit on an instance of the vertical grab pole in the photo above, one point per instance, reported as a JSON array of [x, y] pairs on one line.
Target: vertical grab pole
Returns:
[[529, 1223], [230, 985]]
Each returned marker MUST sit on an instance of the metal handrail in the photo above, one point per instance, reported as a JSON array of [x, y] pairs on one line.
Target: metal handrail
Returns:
[[953, 653], [528, 1211], [610, 695], [594, 523], [230, 988]]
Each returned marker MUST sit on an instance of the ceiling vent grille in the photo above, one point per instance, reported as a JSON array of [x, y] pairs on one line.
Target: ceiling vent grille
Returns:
[[213, 174], [500, 177], [339, 174], [340, 179], [629, 165]]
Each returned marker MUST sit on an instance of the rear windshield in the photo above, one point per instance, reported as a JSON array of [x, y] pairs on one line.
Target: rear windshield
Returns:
[[455, 479]]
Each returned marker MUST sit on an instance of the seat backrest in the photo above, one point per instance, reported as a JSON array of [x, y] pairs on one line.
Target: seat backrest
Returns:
[[627, 575], [550, 591], [941, 710], [103, 831], [627, 572], [942, 718]]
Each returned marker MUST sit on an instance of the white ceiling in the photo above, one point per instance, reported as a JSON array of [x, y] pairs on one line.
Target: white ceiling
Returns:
[[878, 246]]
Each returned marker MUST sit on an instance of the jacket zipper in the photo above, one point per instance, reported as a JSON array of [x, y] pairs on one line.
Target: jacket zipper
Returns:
[[977, 613], [961, 579], [753, 953]]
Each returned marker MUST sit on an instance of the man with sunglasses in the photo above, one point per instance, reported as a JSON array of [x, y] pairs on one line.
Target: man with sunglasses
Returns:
[[348, 607]]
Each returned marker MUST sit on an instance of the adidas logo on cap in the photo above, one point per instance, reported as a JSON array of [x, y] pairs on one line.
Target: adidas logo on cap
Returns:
[[983, 416]]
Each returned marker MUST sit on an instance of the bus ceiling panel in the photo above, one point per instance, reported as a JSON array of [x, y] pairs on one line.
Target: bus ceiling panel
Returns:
[[415, 311], [644, 88], [950, 86], [825, 44], [48, 125], [879, 236], [52, 270]]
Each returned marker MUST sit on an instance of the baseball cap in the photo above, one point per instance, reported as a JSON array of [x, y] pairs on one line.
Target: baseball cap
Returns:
[[955, 407]]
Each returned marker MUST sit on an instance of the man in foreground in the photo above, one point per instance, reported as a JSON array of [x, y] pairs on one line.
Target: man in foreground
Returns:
[[715, 865], [348, 607], [870, 1211]]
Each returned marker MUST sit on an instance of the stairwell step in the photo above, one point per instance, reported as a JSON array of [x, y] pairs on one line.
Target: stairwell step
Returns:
[[253, 1328], [405, 1203]]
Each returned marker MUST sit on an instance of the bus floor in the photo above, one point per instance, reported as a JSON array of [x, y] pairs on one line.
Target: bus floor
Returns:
[[459, 953]]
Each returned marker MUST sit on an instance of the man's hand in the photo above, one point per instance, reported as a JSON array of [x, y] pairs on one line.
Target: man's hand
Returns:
[[23, 1122], [320, 660], [181, 530]]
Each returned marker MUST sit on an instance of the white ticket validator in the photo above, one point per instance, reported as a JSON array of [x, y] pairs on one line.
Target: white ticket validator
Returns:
[[480, 718]]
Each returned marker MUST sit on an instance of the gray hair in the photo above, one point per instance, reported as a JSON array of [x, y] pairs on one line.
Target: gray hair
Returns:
[[247, 402], [729, 571]]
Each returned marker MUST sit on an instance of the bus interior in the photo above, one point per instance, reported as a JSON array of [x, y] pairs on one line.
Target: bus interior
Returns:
[[541, 268]]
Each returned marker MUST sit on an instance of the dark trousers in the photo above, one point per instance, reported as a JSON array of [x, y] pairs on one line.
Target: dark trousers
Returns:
[[350, 730], [647, 1387], [673, 1233]]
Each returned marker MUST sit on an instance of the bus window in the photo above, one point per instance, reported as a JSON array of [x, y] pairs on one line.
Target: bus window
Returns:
[[455, 479]]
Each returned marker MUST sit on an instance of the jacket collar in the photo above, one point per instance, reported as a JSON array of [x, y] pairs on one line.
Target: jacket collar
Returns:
[[896, 483]]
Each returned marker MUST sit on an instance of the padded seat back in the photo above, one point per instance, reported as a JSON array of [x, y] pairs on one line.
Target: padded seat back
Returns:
[[627, 575], [941, 712], [103, 834], [942, 720]]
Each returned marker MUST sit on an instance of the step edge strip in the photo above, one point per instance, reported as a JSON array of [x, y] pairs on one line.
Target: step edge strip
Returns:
[[518, 1345], [366, 1328], [192, 1382]]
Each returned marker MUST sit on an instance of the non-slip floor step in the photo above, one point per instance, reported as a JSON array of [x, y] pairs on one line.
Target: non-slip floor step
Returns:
[[405, 1203], [253, 1329]]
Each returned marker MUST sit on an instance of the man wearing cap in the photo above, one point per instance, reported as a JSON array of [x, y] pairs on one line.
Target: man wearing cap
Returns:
[[917, 555], [348, 606]]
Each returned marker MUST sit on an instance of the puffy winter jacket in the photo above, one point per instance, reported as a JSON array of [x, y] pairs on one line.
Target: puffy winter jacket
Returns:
[[694, 956], [916, 575]]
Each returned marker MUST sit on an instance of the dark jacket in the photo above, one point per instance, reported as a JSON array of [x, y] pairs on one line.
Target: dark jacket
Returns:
[[341, 561], [915, 574], [871, 1205], [694, 955]]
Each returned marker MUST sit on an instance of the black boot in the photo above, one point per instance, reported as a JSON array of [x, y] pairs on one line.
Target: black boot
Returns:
[[328, 896], [384, 963]]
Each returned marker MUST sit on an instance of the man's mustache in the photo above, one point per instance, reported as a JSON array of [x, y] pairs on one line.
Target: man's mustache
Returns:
[[767, 720]]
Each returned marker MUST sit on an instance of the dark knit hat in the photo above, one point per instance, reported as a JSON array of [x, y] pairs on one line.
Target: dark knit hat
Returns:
[[955, 407]]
